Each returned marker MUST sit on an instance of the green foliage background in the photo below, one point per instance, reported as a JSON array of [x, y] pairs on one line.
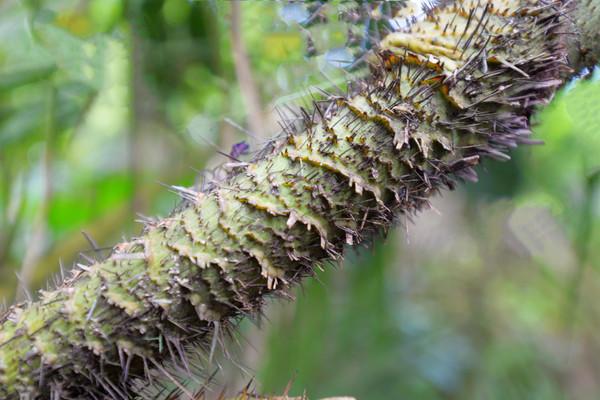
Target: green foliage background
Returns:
[[492, 296]]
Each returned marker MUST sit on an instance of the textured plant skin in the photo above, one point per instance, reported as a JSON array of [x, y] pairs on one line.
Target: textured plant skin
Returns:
[[586, 42], [452, 88]]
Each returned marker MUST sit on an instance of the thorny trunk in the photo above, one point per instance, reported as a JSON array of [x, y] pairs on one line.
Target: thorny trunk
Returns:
[[458, 85]]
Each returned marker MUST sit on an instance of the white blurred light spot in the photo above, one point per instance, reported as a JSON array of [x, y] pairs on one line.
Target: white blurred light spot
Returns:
[[294, 13]]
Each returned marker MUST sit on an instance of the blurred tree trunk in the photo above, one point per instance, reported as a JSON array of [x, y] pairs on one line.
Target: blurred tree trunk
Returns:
[[245, 78]]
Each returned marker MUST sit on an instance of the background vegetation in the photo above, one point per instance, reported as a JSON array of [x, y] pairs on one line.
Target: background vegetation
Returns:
[[492, 295]]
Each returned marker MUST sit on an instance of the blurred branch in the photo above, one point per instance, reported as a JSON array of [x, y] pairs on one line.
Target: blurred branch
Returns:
[[40, 227], [12, 214], [136, 96], [582, 245], [243, 71]]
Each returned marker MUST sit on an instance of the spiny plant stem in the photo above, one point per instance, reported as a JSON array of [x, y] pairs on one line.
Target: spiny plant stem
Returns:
[[454, 87], [585, 40]]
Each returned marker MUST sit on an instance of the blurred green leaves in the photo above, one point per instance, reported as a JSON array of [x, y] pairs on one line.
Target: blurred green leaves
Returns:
[[14, 79], [570, 129], [106, 14]]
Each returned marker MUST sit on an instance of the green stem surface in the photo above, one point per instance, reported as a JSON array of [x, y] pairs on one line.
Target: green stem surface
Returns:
[[456, 86]]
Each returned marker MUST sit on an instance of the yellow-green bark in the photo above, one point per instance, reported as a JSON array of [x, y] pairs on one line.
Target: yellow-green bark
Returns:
[[456, 86]]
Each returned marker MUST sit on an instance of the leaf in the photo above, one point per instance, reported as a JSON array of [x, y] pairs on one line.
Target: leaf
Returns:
[[13, 79]]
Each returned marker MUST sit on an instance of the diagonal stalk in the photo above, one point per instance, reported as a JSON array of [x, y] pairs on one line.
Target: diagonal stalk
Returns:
[[454, 87]]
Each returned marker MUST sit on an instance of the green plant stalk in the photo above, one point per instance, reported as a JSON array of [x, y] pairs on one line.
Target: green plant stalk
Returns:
[[455, 87], [585, 44]]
